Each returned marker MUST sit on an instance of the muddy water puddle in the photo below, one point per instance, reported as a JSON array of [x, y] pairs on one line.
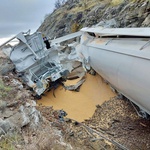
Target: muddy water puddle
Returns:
[[79, 105]]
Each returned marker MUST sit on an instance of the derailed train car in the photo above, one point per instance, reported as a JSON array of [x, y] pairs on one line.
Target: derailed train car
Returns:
[[37, 66], [122, 57]]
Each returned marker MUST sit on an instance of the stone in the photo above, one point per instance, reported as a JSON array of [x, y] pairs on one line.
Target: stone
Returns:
[[3, 105], [17, 83], [146, 22], [26, 116], [18, 146], [6, 114], [4, 69], [108, 23], [142, 10], [5, 126]]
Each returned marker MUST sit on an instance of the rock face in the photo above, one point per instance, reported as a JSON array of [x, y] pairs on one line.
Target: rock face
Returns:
[[17, 110], [76, 14], [11, 120], [21, 124], [5, 66]]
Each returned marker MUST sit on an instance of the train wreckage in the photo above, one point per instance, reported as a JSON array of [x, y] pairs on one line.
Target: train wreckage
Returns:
[[120, 55]]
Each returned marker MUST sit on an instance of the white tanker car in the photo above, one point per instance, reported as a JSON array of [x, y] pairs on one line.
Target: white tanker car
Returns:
[[122, 57]]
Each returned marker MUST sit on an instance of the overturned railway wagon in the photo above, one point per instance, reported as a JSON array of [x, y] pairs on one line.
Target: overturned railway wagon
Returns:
[[121, 56], [34, 63]]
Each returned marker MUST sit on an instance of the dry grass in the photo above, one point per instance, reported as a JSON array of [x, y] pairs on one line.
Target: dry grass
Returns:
[[116, 2], [4, 89], [45, 138], [9, 141], [74, 27], [84, 5]]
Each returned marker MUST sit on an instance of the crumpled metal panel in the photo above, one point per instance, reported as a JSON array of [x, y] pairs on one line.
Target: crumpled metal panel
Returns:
[[22, 56]]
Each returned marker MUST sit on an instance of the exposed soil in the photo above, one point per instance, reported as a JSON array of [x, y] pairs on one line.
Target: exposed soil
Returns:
[[118, 120], [114, 125]]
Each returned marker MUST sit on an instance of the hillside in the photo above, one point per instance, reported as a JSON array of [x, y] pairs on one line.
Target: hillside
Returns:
[[75, 14], [28, 124]]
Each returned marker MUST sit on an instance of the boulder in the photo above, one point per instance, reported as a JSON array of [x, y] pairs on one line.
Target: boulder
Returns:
[[3, 105], [5, 68], [26, 116], [146, 22], [108, 23], [5, 126]]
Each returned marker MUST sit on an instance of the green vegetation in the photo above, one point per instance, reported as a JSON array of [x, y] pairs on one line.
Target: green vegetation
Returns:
[[84, 6], [9, 141], [116, 2], [74, 27], [4, 89]]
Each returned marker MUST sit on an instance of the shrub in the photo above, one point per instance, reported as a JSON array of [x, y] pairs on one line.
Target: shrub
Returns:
[[9, 141], [74, 27], [59, 3]]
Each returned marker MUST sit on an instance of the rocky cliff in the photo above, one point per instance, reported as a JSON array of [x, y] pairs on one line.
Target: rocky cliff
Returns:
[[75, 14]]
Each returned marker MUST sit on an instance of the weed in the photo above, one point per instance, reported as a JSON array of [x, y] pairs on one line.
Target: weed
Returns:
[[74, 27], [9, 141], [4, 89], [116, 2]]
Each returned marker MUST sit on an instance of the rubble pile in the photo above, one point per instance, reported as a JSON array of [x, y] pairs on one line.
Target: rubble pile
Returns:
[[75, 133], [115, 125], [118, 120]]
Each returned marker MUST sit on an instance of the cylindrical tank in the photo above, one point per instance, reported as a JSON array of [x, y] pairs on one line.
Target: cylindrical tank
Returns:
[[124, 63]]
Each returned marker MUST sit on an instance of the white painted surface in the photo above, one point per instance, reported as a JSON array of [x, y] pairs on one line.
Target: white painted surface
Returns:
[[119, 31], [123, 64]]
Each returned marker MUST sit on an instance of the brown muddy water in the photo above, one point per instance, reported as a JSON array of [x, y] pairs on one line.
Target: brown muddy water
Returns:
[[79, 105]]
